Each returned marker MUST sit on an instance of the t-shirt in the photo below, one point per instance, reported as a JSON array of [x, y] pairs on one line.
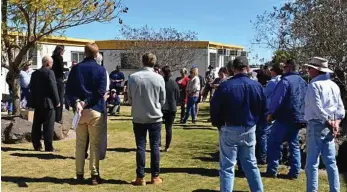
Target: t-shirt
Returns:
[[117, 76]]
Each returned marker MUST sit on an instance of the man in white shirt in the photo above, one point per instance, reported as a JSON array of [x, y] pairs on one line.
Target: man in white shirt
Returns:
[[25, 77], [146, 91], [324, 111]]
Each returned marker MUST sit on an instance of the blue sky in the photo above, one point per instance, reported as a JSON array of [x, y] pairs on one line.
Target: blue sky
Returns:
[[224, 21]]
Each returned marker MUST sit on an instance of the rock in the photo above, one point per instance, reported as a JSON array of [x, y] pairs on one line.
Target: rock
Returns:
[[18, 130], [15, 130]]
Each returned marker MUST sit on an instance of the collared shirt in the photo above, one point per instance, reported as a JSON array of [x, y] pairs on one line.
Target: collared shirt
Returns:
[[117, 75], [323, 100], [270, 87], [146, 92], [279, 93], [239, 101], [25, 77]]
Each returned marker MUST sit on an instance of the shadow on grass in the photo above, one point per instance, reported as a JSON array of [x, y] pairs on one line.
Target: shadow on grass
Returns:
[[22, 181], [214, 157], [5, 149], [209, 190], [121, 150], [46, 156], [120, 119], [189, 170]]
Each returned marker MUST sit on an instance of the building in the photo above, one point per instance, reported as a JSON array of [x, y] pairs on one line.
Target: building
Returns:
[[116, 52]]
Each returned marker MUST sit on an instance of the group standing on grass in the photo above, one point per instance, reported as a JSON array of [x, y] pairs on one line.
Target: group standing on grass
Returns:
[[243, 110]]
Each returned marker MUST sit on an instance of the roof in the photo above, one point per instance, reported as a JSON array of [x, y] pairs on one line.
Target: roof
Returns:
[[128, 44]]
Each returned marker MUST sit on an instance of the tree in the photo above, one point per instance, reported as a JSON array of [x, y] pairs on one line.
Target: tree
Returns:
[[280, 56], [25, 22], [172, 47], [308, 28]]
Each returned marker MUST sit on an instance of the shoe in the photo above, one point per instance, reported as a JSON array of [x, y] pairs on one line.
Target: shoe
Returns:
[[291, 177], [79, 178], [96, 180], [194, 121], [156, 180], [139, 182], [38, 149], [269, 175], [52, 150], [261, 162], [166, 150]]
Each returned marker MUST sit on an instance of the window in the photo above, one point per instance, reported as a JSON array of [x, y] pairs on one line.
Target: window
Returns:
[[77, 56], [213, 59], [130, 61]]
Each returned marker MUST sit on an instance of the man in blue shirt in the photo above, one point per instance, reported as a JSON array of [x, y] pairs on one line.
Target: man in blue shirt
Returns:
[[116, 77], [24, 77], [237, 106], [86, 89], [287, 109]]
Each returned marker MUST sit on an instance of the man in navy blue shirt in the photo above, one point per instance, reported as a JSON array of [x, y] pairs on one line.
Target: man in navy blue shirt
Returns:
[[86, 89], [237, 106], [287, 109], [116, 77]]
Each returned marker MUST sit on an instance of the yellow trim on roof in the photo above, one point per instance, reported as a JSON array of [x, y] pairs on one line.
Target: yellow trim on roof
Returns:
[[128, 44]]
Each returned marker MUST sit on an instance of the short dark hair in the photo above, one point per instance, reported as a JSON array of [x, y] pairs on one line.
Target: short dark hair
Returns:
[[292, 63], [240, 63], [223, 70], [149, 59], [277, 69], [166, 70]]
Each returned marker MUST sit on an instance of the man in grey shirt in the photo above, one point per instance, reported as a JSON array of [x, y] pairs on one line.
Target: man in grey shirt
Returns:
[[146, 91]]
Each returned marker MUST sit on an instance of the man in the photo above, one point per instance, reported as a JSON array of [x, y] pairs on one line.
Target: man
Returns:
[[45, 99], [86, 88], [66, 99], [287, 109], [237, 106], [263, 131], [24, 77], [146, 95], [116, 77], [324, 111], [209, 78]]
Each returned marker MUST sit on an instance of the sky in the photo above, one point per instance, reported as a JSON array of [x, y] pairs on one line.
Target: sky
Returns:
[[223, 21]]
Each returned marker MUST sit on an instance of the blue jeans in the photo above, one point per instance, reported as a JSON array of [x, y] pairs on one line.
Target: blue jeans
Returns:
[[238, 140], [140, 131], [320, 141], [262, 132], [281, 132], [191, 109]]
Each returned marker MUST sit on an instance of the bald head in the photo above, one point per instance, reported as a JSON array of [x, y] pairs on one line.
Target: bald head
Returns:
[[47, 61]]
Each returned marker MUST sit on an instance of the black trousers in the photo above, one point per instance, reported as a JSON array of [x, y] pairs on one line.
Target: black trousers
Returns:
[[43, 117], [183, 110], [61, 91], [169, 118]]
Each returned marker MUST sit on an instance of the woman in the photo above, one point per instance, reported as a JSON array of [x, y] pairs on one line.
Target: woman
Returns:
[[222, 76], [182, 84], [169, 109], [192, 91], [58, 69]]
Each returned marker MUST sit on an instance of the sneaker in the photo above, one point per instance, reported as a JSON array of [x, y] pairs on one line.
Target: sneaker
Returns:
[[156, 180], [291, 177], [166, 149], [269, 175], [96, 180], [139, 182]]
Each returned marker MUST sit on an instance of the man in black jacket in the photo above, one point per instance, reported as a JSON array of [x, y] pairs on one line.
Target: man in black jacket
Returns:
[[45, 99]]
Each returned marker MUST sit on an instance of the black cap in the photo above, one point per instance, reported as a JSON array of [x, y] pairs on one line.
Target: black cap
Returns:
[[240, 62]]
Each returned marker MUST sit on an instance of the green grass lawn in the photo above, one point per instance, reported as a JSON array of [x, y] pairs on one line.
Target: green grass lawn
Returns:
[[189, 166]]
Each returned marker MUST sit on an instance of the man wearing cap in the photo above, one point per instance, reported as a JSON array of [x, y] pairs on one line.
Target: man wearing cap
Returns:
[[324, 111], [117, 78], [287, 109], [209, 77], [237, 106]]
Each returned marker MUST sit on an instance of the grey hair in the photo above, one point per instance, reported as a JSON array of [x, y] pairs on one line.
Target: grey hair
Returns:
[[46, 59], [98, 59], [184, 71]]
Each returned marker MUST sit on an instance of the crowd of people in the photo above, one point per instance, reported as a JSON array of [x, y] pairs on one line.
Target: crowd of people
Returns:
[[268, 110]]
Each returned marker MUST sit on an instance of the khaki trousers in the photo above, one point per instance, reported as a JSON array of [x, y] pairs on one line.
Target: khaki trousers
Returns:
[[90, 124]]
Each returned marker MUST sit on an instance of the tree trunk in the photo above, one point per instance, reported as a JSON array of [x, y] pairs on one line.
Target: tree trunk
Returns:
[[16, 94]]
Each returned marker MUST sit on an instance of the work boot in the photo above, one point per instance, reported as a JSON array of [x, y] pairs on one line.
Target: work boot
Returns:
[[156, 180], [139, 182], [96, 179]]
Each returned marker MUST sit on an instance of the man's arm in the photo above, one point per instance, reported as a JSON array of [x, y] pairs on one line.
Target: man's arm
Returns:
[[100, 89], [162, 94], [129, 90], [340, 112], [278, 96], [53, 87], [263, 107], [216, 108]]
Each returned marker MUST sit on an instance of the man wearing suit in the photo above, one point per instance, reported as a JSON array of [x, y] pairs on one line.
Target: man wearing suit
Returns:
[[45, 99]]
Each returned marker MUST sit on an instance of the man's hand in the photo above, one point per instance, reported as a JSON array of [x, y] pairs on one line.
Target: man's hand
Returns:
[[58, 105], [79, 106], [269, 118], [336, 128]]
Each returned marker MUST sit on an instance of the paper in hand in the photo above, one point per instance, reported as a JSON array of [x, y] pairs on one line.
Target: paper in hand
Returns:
[[76, 119]]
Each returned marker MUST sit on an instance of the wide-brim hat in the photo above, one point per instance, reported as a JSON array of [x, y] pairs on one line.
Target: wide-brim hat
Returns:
[[320, 64]]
